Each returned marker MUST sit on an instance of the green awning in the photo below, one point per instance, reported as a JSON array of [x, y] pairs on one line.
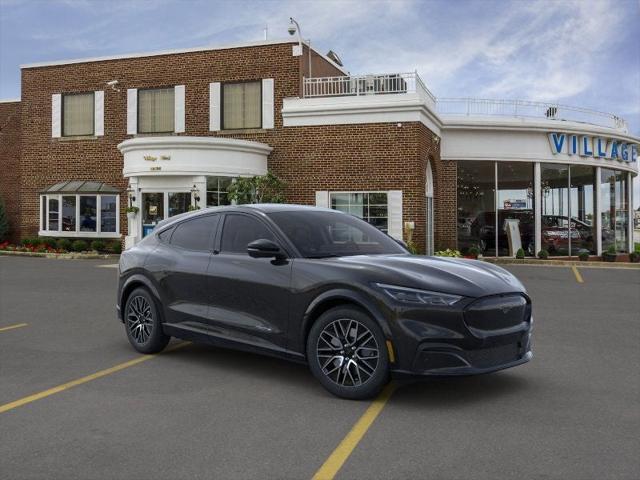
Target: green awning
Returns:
[[81, 186]]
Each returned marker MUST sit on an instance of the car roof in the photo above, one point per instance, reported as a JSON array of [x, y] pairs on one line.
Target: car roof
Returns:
[[259, 207]]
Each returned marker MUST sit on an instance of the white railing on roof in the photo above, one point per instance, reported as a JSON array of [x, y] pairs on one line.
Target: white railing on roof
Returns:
[[356, 85], [525, 108]]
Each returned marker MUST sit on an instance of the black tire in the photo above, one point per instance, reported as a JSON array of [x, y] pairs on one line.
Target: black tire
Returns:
[[143, 323], [329, 348]]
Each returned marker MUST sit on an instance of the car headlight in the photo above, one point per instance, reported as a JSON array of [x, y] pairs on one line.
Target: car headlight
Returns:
[[424, 297]]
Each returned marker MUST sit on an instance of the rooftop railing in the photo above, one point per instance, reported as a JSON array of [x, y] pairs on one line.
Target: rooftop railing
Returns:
[[357, 85], [528, 109], [401, 83]]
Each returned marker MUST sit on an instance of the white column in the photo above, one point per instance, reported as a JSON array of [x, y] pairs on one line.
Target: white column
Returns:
[[322, 198], [630, 211], [200, 181], [537, 207], [598, 214], [134, 224]]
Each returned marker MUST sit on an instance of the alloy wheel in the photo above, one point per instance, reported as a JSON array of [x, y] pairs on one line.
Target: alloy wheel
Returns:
[[347, 352], [139, 319]]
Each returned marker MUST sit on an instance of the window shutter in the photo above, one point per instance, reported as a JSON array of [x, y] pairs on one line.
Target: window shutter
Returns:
[[214, 106], [267, 103], [322, 198], [179, 112], [394, 209], [98, 111], [132, 111], [56, 115]]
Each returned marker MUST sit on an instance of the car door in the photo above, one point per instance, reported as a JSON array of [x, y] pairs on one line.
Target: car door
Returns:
[[249, 296], [183, 276]]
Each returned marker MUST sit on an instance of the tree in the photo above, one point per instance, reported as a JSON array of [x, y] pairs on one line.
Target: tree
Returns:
[[259, 189], [4, 222]]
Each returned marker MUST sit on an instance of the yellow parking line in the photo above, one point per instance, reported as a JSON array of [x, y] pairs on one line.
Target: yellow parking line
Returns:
[[74, 383], [577, 274], [11, 327], [334, 463]]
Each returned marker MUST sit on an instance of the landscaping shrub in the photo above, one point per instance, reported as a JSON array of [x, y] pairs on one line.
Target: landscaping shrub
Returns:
[[634, 257], [98, 245], [64, 244], [583, 256], [28, 241], [79, 246], [115, 247], [47, 242], [474, 252], [448, 253], [543, 254], [4, 222], [520, 253]]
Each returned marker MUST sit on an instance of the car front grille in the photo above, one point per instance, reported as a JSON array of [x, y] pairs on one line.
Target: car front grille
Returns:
[[490, 357], [498, 312]]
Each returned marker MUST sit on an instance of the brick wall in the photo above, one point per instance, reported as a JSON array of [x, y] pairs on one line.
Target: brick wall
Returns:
[[341, 157], [10, 163]]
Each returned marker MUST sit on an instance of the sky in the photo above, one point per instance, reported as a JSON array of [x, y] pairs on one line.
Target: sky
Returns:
[[584, 53]]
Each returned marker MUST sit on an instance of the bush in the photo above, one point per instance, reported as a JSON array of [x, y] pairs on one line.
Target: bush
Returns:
[[448, 253], [98, 245], [543, 254], [474, 252], [4, 222], [115, 247], [583, 256], [634, 257], [611, 250], [79, 246], [64, 244], [520, 253], [47, 242], [28, 241]]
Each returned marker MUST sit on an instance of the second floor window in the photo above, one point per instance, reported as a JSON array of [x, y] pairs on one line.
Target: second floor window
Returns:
[[241, 105], [156, 110], [77, 114]]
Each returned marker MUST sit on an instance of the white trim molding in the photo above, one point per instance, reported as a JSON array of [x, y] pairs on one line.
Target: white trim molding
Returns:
[[268, 115], [98, 112], [179, 101], [214, 107], [56, 115], [182, 155], [322, 198], [394, 212], [132, 111]]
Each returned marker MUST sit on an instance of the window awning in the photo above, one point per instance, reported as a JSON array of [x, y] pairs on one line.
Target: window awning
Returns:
[[81, 186]]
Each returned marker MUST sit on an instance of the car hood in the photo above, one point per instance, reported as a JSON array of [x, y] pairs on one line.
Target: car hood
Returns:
[[470, 278]]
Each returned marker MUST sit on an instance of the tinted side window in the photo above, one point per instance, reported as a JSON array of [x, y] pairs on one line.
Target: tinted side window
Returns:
[[195, 234], [240, 230], [165, 235]]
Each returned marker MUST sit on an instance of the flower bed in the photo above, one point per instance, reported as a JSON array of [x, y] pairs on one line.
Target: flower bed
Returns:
[[52, 246]]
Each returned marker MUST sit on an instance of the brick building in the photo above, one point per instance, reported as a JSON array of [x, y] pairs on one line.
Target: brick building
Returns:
[[164, 131]]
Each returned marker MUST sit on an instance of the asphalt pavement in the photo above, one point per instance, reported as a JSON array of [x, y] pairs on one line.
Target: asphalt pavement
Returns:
[[573, 412]]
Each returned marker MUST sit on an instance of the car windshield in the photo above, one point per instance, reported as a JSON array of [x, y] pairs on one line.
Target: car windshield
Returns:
[[320, 234]]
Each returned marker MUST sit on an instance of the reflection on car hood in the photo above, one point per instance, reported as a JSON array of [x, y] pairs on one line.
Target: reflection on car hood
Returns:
[[471, 278]]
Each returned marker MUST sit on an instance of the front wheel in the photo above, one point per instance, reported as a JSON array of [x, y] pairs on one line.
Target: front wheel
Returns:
[[142, 323], [347, 353]]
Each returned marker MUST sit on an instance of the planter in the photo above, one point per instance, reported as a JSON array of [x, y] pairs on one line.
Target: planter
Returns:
[[609, 257], [634, 257]]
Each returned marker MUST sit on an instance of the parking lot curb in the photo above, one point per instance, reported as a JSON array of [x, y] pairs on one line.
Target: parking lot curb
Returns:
[[560, 263]]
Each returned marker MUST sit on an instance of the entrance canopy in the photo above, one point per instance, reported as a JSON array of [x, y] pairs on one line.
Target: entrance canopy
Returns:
[[80, 186]]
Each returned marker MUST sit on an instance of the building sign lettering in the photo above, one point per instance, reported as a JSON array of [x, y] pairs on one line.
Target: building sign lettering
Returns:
[[597, 147]]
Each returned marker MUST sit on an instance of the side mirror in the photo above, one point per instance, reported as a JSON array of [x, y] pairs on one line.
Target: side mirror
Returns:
[[263, 248]]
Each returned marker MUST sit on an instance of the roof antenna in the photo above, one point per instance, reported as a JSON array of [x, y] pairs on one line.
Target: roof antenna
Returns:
[[266, 32]]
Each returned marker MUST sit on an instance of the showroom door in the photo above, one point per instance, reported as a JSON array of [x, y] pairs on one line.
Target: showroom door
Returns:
[[152, 211]]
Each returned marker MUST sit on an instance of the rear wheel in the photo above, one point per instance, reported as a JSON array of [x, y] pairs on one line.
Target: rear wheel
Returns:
[[143, 324], [347, 353]]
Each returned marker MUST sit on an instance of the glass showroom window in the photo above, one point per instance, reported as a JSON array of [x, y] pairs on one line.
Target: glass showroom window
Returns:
[[370, 206], [77, 114], [477, 206], [555, 208], [179, 202], [80, 215], [156, 110], [241, 105], [581, 204], [217, 188], [516, 205], [614, 209]]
